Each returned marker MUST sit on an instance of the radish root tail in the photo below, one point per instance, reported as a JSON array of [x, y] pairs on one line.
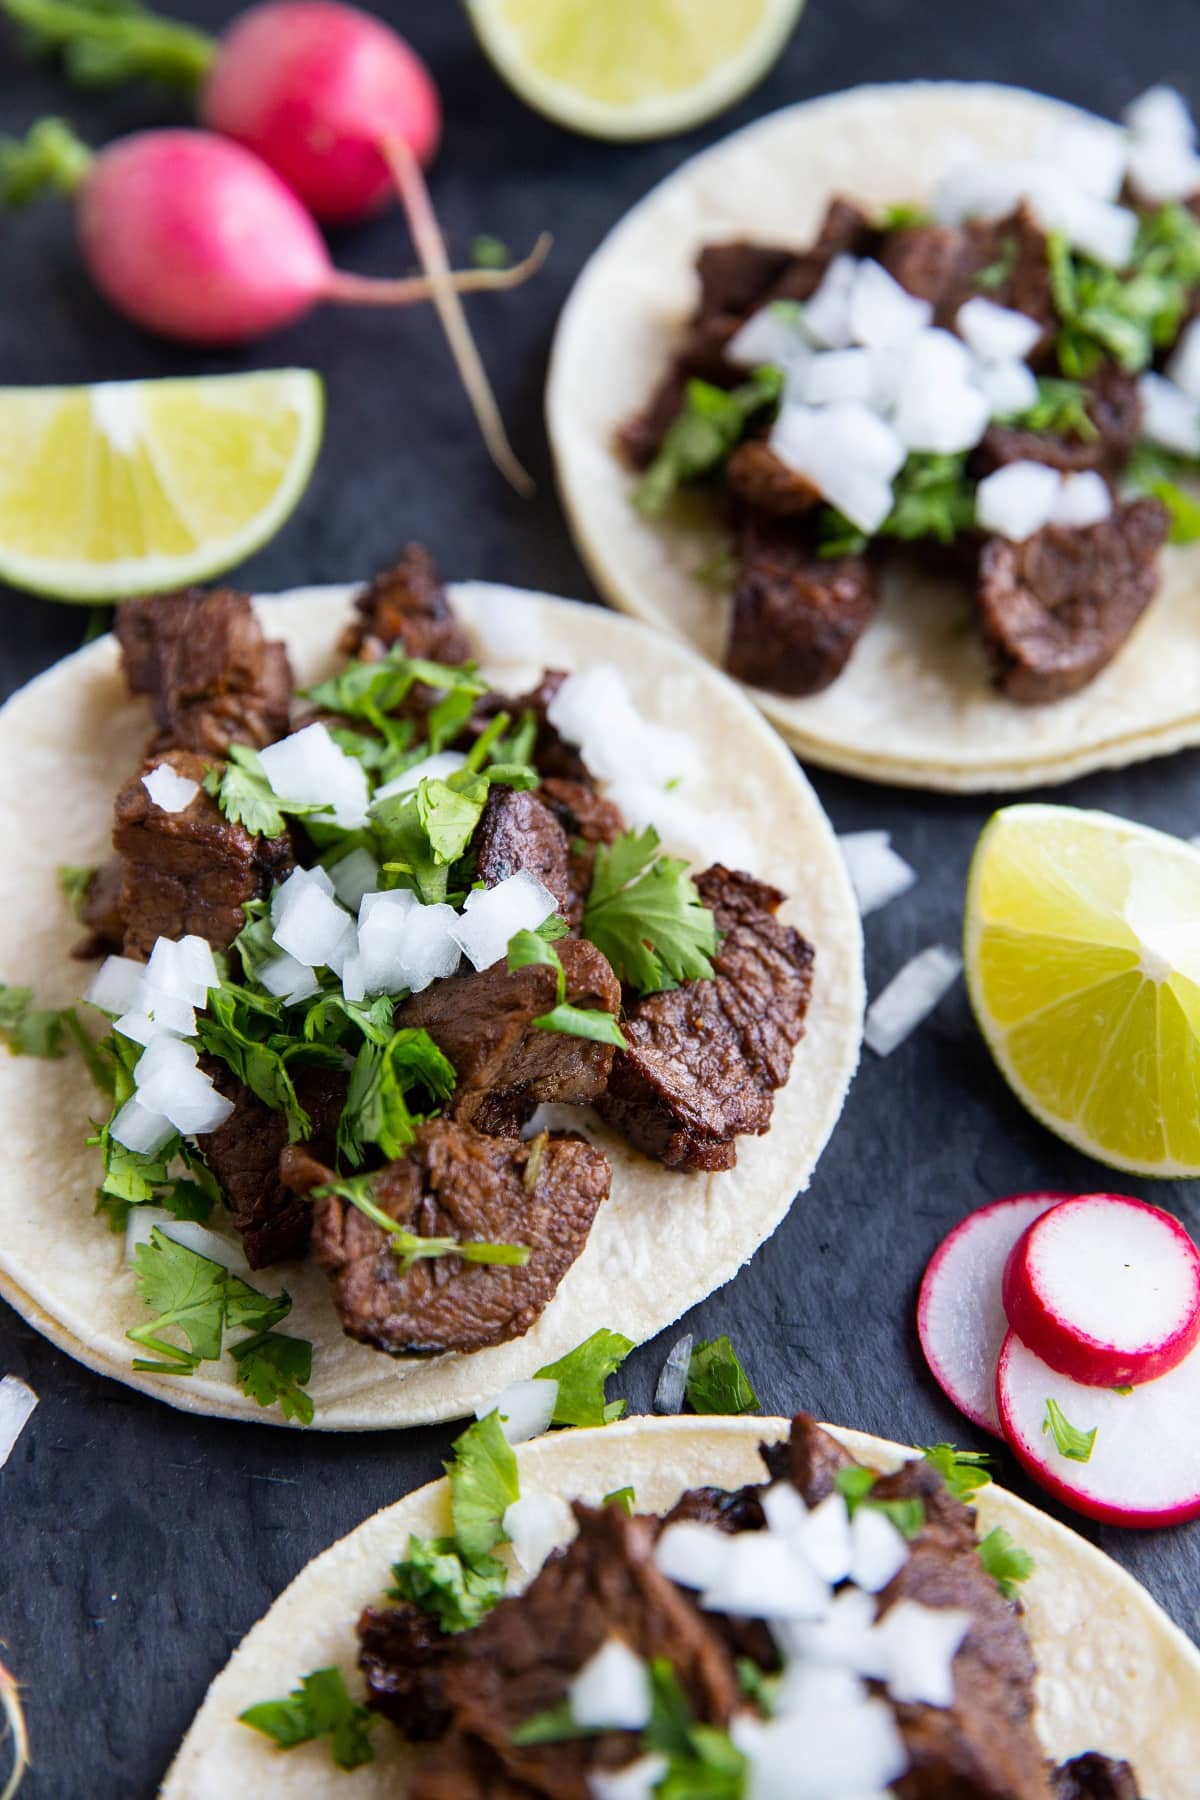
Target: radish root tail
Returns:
[[12, 1725], [431, 250], [369, 290]]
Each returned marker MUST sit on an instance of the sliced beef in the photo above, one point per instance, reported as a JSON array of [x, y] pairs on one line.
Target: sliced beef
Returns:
[[505, 1065], [211, 677], [588, 820], [1095, 1777], [1055, 610], [458, 1183], [244, 1153], [740, 1510], [796, 616], [705, 1059], [522, 1658], [189, 871], [406, 605], [845, 231], [735, 276], [1115, 409], [943, 264], [461, 1768], [765, 484], [101, 911], [402, 1654], [809, 1458], [518, 832]]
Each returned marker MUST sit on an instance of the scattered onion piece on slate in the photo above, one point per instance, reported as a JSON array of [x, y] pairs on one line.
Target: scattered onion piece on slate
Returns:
[[17, 1401], [672, 1383], [909, 997], [878, 874]]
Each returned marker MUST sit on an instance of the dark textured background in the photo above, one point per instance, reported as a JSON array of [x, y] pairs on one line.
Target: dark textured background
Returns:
[[137, 1544]]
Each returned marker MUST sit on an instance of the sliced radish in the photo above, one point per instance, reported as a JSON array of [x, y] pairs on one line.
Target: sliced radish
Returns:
[[960, 1315], [1105, 1289], [1143, 1468]]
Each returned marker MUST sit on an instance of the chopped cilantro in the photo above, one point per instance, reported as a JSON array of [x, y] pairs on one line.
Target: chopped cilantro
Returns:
[[247, 1032], [1157, 472], [435, 1578], [932, 497], [555, 1725], [998, 272], [449, 811], [273, 1367], [572, 1021], [1070, 1441], [624, 1497], [963, 1471], [720, 570], [372, 690], [902, 215], [483, 1485], [245, 796], [1129, 314], [757, 1686], [74, 882], [581, 1375], [1005, 1562], [855, 1484], [320, 1707], [716, 1380], [384, 1078], [408, 1247], [26, 1029], [488, 252], [699, 439], [644, 913], [702, 1761], [1060, 408]]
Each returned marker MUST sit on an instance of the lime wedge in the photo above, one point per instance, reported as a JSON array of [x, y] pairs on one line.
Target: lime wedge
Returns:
[[632, 68], [132, 486], [1082, 953]]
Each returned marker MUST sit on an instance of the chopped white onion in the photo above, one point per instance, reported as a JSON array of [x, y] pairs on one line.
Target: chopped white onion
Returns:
[[310, 768], [158, 1015], [289, 891], [996, 333], [1083, 500], [775, 334], [845, 1637], [431, 947], [978, 190], [183, 966], [809, 1688], [826, 1539], [836, 375], [1169, 416], [117, 985], [1184, 367], [596, 711], [883, 315], [1010, 388], [878, 1550], [491, 917], [835, 447], [1160, 113], [1162, 171], [290, 980], [170, 791], [1091, 158], [525, 1407], [920, 1644], [140, 1130], [672, 1382], [17, 1401], [143, 1221], [763, 1578], [354, 876], [910, 997], [535, 1525], [938, 410], [612, 1690], [693, 1554], [878, 874], [827, 313], [1017, 500], [314, 929], [159, 1066], [853, 1752], [636, 1781], [169, 1083], [432, 768]]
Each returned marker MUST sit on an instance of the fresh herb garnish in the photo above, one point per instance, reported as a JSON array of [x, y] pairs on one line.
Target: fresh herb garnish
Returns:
[[372, 690], [902, 215], [1072, 1443], [702, 1762], [644, 912], [1157, 472], [624, 1497], [757, 1686], [1005, 1562], [555, 1725], [932, 498], [594, 1023], [856, 1485], [964, 1472], [272, 1367], [246, 1030], [699, 439], [435, 1578], [1061, 408], [1125, 314], [581, 1376], [384, 1079], [407, 1246], [716, 1380], [320, 1707], [74, 882], [29, 1030], [483, 1485], [246, 797], [1000, 271]]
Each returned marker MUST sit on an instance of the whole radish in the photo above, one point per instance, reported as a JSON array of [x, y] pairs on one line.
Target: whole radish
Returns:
[[193, 236]]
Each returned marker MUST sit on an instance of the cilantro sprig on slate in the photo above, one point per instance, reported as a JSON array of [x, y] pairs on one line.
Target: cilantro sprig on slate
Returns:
[[644, 913], [1005, 1562], [697, 442], [320, 1707], [593, 1023], [716, 1380], [581, 1375]]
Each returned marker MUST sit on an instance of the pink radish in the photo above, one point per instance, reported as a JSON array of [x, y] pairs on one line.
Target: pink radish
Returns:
[[192, 236], [960, 1317], [1143, 1464], [1105, 1289]]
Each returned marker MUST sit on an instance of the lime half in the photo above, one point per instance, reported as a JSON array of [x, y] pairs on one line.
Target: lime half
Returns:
[[131, 486]]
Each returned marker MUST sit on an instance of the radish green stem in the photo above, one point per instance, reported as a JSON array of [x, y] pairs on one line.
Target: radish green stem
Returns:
[[367, 290], [431, 250], [13, 1715], [100, 45], [49, 159]]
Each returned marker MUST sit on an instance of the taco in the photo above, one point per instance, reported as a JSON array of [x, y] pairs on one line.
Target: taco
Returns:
[[884, 403], [803, 1612], [442, 1056]]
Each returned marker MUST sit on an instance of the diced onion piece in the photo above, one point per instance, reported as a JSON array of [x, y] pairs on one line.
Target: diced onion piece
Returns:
[[432, 768], [826, 1540], [855, 1750], [883, 315], [170, 791], [845, 1637], [811, 1688], [117, 985], [997, 334], [17, 1401], [491, 917], [672, 1382], [938, 410], [596, 711], [168, 1014], [763, 1578], [1017, 500], [693, 1554], [168, 1082], [290, 980], [310, 768], [878, 874], [1184, 367], [847, 452], [289, 892], [1010, 388], [535, 1525], [836, 375], [827, 312], [878, 1550], [1091, 156], [141, 1130], [1083, 499], [183, 966], [612, 1690], [525, 1407], [775, 334], [1105, 232], [314, 929], [910, 997], [143, 1221], [432, 950], [1162, 114], [401, 944], [1161, 170], [354, 876], [636, 1781], [1170, 417], [978, 190], [920, 1644]]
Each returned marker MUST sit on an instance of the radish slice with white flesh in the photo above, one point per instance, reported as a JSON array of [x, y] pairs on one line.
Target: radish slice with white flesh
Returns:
[[960, 1315], [1106, 1290], [1143, 1463]]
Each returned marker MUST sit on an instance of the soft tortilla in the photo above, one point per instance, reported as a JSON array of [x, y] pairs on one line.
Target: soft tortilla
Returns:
[[914, 705], [659, 1244], [1114, 1673]]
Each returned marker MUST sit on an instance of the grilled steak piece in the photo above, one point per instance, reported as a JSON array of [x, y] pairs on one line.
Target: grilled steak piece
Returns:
[[402, 1654], [943, 264], [809, 1458], [845, 231], [456, 1182], [705, 1059], [407, 605], [1094, 1777], [211, 676], [505, 1065], [796, 616], [244, 1152], [1055, 610], [735, 276], [518, 832], [522, 1657], [765, 484], [101, 912], [588, 819], [461, 1768], [740, 1510], [1115, 409], [189, 871]]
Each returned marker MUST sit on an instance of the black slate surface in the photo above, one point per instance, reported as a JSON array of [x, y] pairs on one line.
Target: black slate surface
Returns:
[[137, 1544]]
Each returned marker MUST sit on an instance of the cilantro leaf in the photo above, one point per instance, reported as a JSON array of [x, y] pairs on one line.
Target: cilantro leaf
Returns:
[[625, 1497], [1061, 408], [483, 1485], [699, 439], [593, 1023], [246, 797], [581, 1375], [903, 215], [320, 1707], [1005, 1562], [382, 1081], [434, 1577], [246, 1031], [963, 1471], [449, 811], [555, 1725], [27, 1030], [371, 690], [998, 272], [407, 1246], [1154, 471], [644, 913], [273, 1367], [1070, 1441], [1128, 314], [183, 1289], [932, 498], [702, 1761], [716, 1380], [855, 1484], [73, 883]]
